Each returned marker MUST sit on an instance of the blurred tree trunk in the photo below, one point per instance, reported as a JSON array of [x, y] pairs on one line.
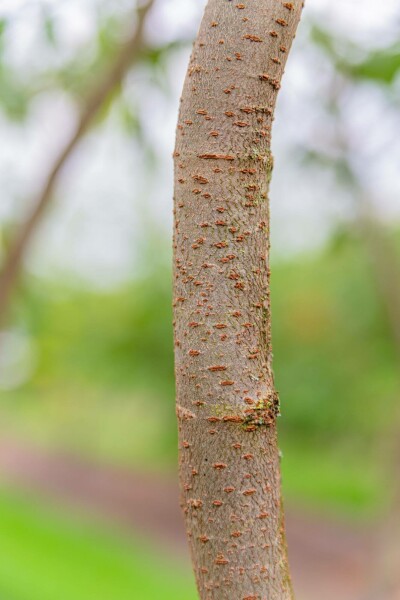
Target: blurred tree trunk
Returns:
[[92, 107], [385, 269], [384, 261], [226, 400]]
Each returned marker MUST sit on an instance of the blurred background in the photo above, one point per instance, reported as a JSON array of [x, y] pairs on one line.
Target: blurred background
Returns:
[[89, 93]]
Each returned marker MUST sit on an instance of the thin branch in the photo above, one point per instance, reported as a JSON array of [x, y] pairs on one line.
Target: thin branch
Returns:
[[13, 263]]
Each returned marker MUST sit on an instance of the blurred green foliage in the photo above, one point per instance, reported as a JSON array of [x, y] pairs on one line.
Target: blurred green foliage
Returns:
[[14, 96], [75, 70], [119, 339], [104, 382], [379, 65]]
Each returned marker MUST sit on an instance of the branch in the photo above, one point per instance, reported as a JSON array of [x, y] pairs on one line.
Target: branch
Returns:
[[13, 263]]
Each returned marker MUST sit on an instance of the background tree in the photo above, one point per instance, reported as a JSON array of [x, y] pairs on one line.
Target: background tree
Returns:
[[381, 67], [93, 104], [106, 72]]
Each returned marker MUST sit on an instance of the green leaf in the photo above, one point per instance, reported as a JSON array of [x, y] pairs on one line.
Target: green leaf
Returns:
[[380, 65], [49, 30]]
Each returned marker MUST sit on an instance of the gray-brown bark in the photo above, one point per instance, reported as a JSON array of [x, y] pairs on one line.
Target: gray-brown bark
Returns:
[[226, 399]]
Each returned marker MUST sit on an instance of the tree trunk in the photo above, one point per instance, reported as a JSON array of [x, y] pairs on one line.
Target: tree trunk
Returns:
[[226, 400]]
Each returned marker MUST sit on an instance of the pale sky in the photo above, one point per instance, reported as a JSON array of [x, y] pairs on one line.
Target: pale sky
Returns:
[[93, 229]]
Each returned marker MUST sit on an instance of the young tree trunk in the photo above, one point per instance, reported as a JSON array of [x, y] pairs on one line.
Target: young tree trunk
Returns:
[[226, 401]]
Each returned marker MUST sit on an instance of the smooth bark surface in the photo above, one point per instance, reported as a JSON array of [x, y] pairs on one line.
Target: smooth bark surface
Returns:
[[226, 399]]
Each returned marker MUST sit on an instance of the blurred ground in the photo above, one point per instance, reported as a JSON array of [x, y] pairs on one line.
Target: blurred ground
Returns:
[[325, 554]]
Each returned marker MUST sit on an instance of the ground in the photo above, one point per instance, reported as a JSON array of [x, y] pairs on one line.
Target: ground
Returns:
[[327, 557]]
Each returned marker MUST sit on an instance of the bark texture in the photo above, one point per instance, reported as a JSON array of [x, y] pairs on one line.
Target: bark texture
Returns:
[[226, 400]]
